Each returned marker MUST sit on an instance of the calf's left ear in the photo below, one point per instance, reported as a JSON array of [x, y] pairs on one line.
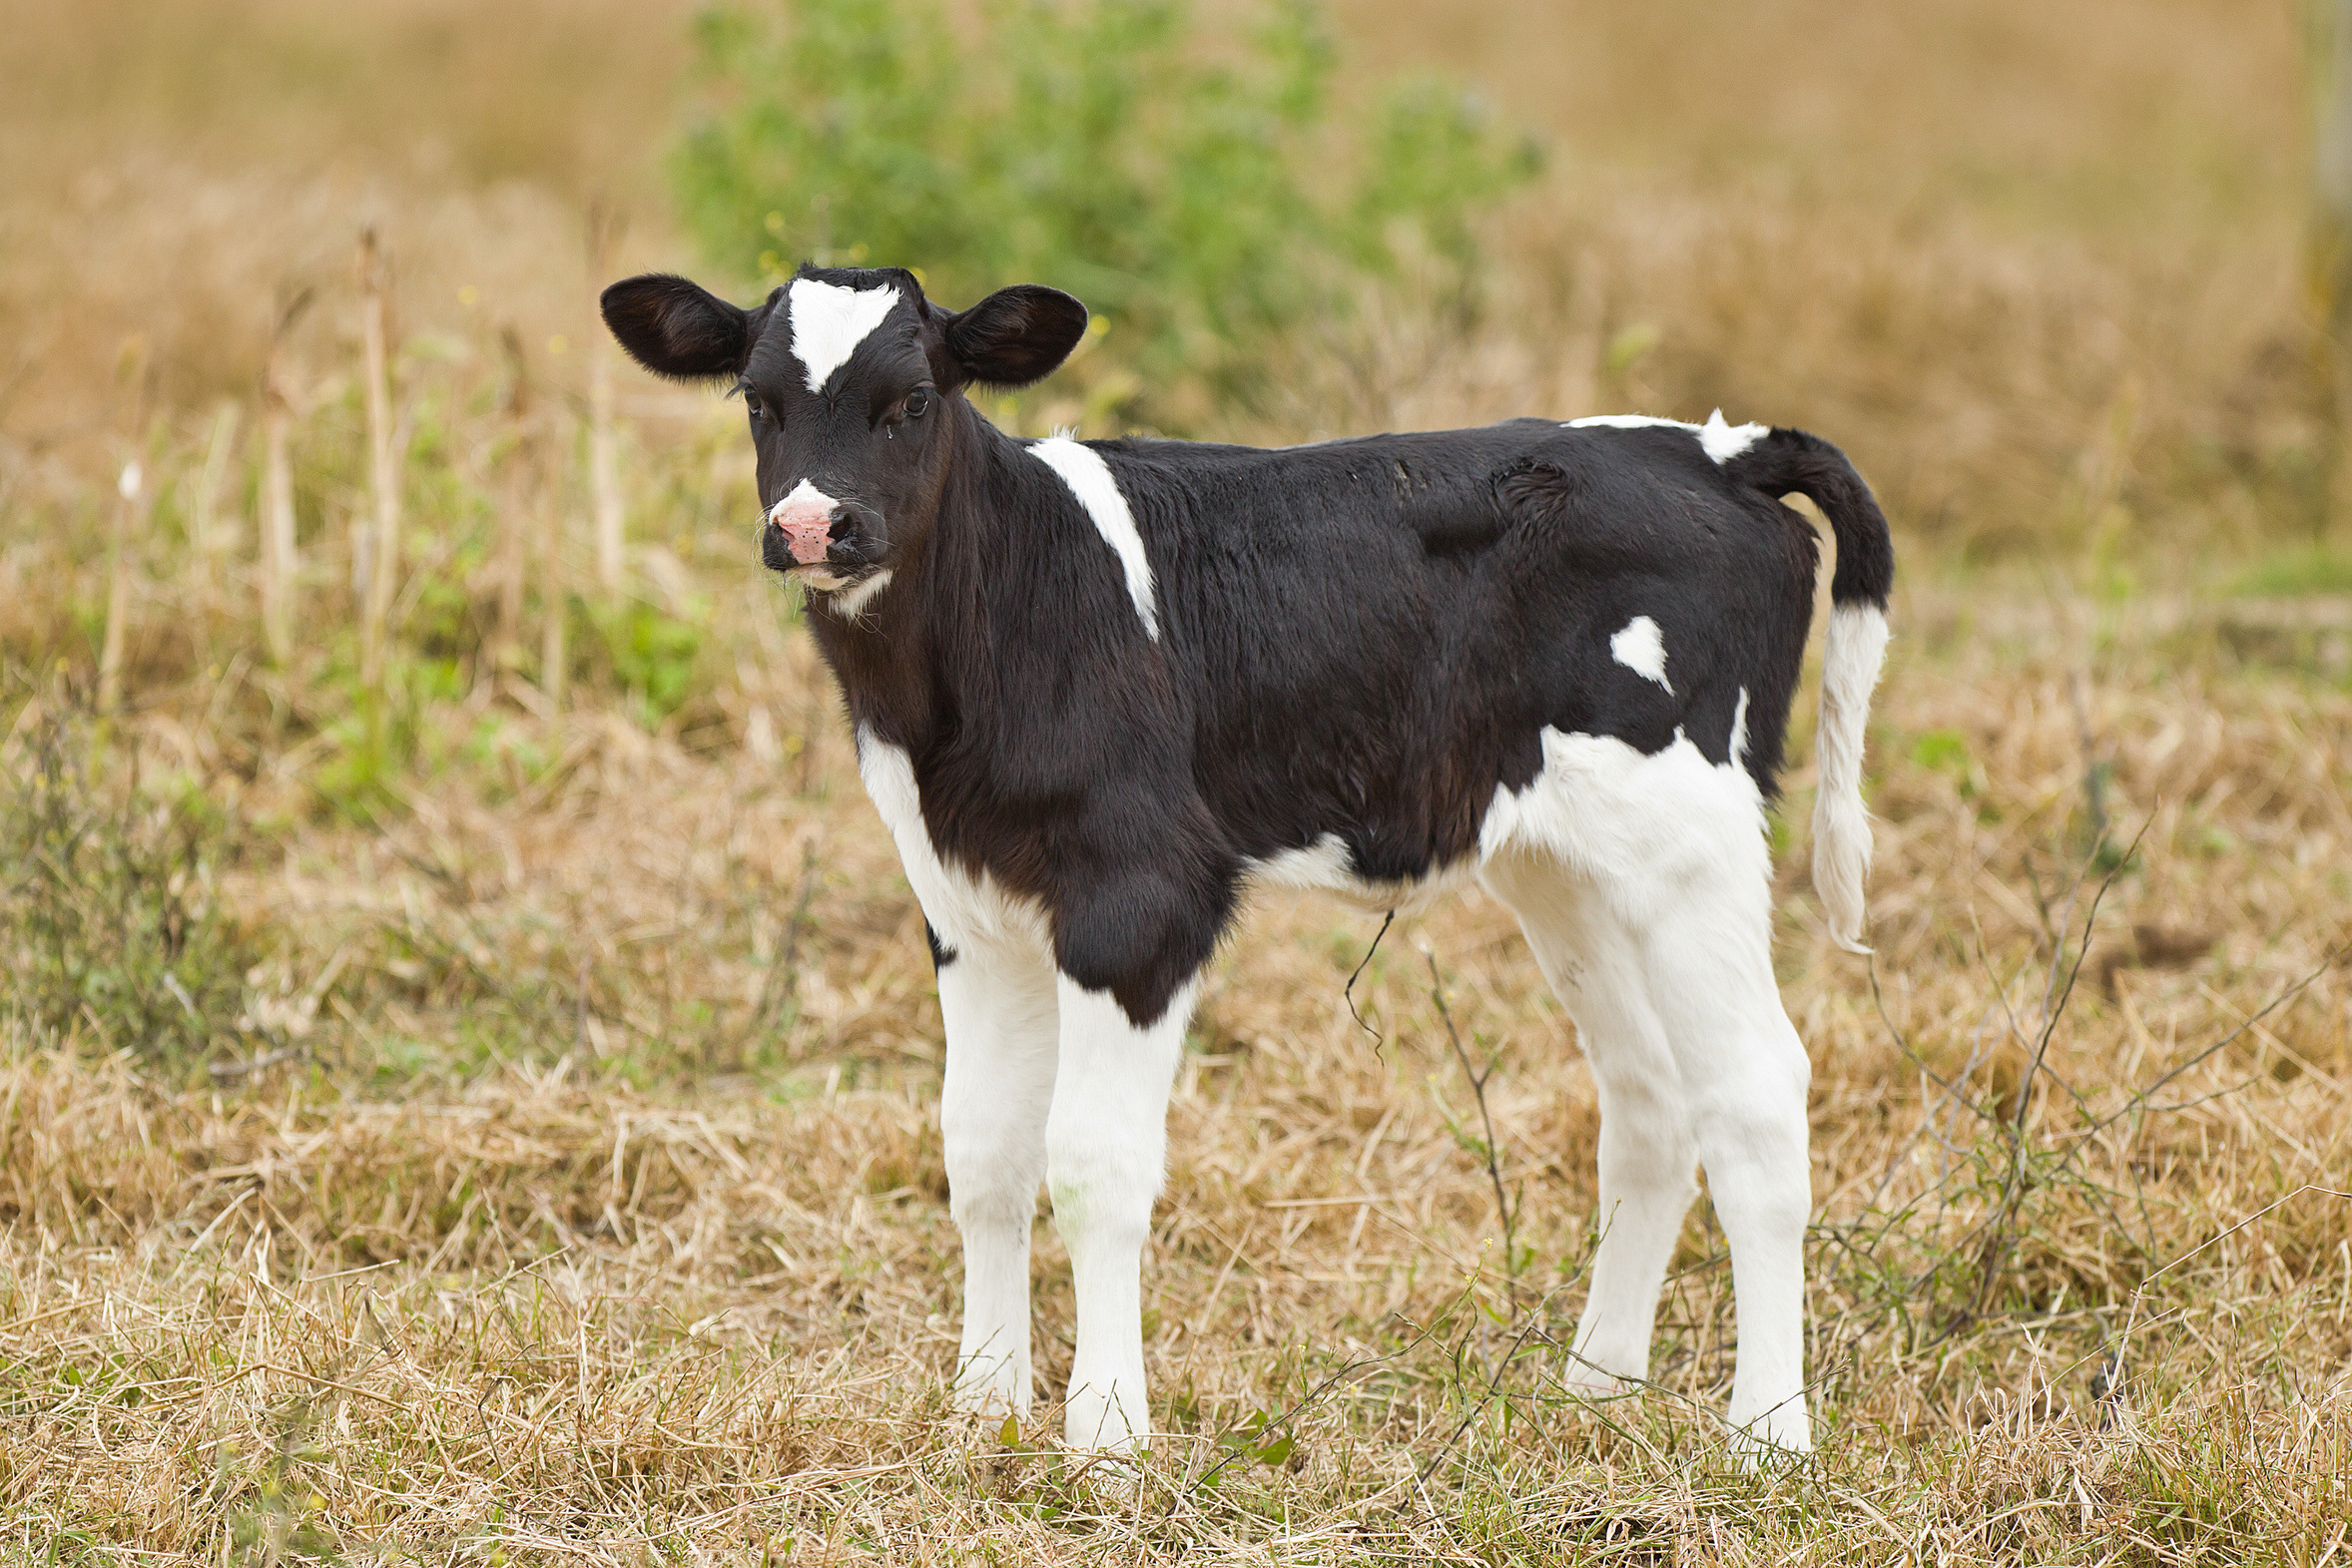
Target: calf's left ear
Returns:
[[678, 328], [1017, 336]]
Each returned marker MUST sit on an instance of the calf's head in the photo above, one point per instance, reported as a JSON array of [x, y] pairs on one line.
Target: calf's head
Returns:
[[853, 384]]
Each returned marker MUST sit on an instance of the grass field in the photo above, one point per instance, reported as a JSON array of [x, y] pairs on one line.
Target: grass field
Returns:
[[491, 1118]]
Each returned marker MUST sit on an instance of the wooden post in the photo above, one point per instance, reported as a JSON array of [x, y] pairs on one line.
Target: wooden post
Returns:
[[553, 606], [511, 549], [2330, 240], [129, 508], [382, 551], [208, 537], [604, 485], [279, 562], [130, 497]]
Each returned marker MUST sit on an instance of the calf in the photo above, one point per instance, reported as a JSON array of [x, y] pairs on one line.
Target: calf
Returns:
[[1100, 687]]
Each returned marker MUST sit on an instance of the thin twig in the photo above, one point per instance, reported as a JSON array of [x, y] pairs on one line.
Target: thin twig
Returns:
[[1477, 1083]]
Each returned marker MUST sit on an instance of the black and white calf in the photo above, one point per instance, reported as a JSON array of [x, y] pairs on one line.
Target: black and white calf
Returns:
[[1099, 687]]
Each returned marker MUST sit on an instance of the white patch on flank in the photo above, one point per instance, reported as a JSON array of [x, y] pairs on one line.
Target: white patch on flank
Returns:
[[1841, 823], [1325, 866], [1719, 440], [1642, 647], [1090, 479], [1739, 732], [851, 601], [828, 322]]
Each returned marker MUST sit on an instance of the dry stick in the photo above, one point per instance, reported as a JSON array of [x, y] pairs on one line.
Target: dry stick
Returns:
[[280, 561], [604, 487], [2000, 1238], [205, 533], [552, 605], [1477, 1083], [513, 543], [130, 509], [785, 974], [383, 480]]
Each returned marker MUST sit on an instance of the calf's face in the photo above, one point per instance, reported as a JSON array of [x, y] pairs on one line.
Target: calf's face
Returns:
[[853, 384]]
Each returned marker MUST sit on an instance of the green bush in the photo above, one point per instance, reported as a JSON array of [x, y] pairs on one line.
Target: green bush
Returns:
[[1197, 203]]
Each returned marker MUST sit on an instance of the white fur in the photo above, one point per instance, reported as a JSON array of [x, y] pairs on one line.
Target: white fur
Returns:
[[1720, 440], [961, 907], [1090, 479], [1643, 884], [1739, 730], [1642, 647], [1106, 1146], [803, 495], [849, 603], [1855, 649], [1003, 1021], [1043, 1078], [1325, 866], [1724, 441], [828, 322]]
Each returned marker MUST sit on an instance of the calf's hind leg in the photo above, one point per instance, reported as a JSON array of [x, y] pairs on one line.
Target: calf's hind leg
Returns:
[[1644, 885], [1648, 1153]]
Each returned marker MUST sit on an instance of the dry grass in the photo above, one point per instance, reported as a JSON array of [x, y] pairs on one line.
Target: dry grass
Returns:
[[569, 1189], [596, 1268]]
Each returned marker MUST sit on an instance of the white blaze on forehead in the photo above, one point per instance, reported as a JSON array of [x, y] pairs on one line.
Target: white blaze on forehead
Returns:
[[1090, 479], [1719, 440], [829, 323], [1640, 648]]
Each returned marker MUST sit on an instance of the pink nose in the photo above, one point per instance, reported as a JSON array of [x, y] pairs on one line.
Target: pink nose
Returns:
[[804, 518]]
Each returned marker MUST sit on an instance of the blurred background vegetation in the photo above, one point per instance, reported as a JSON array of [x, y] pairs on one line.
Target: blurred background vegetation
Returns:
[[2040, 268]]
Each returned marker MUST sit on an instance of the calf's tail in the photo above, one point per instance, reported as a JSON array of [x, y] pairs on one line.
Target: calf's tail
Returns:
[[1787, 462]]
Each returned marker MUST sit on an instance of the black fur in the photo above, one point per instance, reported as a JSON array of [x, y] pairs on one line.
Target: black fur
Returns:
[[1361, 638]]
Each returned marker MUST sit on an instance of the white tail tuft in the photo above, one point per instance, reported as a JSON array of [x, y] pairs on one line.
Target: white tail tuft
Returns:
[[1841, 824]]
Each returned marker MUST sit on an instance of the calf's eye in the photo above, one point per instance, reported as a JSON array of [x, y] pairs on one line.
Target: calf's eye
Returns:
[[919, 403]]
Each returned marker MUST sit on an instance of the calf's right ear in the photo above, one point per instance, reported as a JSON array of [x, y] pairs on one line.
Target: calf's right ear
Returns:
[[678, 328]]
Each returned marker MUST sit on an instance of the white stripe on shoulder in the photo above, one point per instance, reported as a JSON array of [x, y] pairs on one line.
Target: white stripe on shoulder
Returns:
[[1081, 468], [830, 322], [1718, 438]]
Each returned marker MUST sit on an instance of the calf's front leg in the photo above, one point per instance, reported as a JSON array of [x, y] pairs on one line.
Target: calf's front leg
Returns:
[[1106, 1146], [999, 1003]]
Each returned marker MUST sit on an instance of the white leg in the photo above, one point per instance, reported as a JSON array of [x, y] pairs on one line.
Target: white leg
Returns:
[[1647, 1153], [1645, 884], [1106, 1155], [1000, 1006], [1748, 1074]]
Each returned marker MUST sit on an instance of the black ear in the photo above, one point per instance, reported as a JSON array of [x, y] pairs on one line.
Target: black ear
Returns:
[[1017, 336], [677, 328]]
